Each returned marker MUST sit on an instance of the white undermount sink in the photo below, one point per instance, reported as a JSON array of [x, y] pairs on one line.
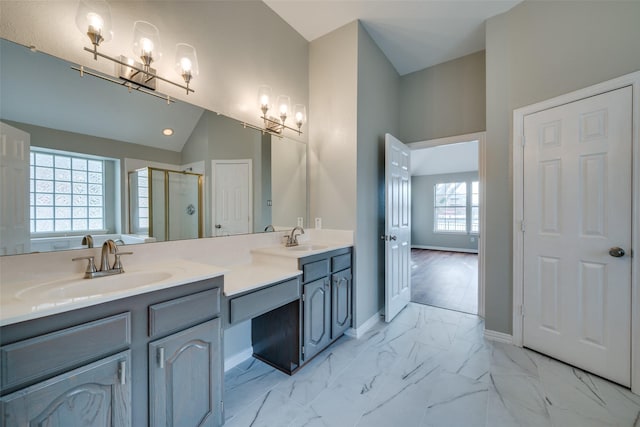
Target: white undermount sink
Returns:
[[75, 288], [304, 248]]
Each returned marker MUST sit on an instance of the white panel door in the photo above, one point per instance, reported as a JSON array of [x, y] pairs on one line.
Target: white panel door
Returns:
[[232, 197], [15, 232], [577, 209], [397, 227]]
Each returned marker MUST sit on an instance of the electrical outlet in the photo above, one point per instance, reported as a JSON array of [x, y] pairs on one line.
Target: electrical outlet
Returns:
[[300, 222], [318, 223], [472, 239]]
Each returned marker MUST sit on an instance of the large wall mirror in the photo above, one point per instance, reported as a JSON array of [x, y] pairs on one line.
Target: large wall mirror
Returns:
[[97, 162]]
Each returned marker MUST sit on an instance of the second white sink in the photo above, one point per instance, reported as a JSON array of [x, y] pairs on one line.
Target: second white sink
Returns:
[[302, 248]]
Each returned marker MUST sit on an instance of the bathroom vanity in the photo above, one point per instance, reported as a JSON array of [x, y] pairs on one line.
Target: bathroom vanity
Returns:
[[145, 348]]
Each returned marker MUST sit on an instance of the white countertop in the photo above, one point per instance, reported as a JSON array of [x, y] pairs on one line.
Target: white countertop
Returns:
[[304, 249], [41, 297], [31, 300]]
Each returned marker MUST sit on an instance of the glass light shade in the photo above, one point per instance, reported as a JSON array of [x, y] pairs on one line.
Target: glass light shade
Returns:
[[146, 40], [264, 98], [299, 114], [186, 60], [94, 18], [284, 106]]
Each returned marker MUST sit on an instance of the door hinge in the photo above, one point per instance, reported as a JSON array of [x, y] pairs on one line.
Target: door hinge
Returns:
[[522, 310], [302, 297], [523, 140], [222, 406], [303, 352], [522, 226]]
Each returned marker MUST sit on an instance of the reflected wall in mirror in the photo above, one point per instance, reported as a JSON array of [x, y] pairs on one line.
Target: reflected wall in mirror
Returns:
[[82, 122]]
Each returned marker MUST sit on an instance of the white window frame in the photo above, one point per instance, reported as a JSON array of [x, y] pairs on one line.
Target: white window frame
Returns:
[[436, 230]]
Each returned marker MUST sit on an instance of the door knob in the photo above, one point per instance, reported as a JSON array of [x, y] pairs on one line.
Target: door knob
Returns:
[[392, 238], [218, 226], [616, 252]]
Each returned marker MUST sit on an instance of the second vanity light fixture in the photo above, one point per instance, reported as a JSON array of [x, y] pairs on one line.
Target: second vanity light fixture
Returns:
[[276, 123], [94, 18]]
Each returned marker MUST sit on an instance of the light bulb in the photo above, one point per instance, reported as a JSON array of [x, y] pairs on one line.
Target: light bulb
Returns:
[[299, 117], [284, 108], [147, 45], [264, 98], [264, 101], [185, 64], [95, 22]]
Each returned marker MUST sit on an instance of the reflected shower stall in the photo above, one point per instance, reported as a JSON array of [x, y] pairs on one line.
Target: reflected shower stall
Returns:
[[165, 204]]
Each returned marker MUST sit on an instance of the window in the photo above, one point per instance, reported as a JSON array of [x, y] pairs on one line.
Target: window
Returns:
[[450, 207], [475, 207], [66, 193], [143, 201]]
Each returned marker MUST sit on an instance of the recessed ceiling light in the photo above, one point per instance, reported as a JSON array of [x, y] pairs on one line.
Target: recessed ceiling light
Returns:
[[167, 132]]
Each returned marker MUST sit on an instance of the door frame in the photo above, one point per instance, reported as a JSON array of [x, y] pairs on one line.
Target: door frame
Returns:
[[519, 114], [481, 138], [215, 163]]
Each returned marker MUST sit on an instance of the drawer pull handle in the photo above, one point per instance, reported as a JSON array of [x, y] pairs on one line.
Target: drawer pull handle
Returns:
[[122, 371], [161, 357]]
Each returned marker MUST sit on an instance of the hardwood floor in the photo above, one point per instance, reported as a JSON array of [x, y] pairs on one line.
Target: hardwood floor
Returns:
[[445, 279]]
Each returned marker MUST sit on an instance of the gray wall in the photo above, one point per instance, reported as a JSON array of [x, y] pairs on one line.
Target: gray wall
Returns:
[[536, 51], [332, 128], [444, 100], [378, 106], [422, 212]]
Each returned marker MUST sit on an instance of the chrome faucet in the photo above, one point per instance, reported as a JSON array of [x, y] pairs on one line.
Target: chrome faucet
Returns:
[[106, 269], [269, 228], [88, 240], [108, 247], [292, 240]]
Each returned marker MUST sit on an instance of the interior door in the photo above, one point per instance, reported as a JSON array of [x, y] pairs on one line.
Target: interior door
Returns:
[[397, 235], [232, 203], [14, 191], [577, 233]]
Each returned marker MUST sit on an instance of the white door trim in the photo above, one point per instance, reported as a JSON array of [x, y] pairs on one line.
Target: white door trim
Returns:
[[632, 80], [481, 138], [214, 163]]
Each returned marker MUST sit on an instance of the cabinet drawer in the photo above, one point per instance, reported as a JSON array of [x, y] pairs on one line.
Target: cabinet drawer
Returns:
[[41, 356], [259, 302], [315, 270], [340, 262], [183, 312]]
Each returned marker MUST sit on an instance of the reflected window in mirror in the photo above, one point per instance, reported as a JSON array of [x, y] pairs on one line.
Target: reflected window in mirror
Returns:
[[70, 193]]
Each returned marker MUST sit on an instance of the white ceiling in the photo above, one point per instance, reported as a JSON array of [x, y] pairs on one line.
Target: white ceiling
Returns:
[[450, 158], [412, 34]]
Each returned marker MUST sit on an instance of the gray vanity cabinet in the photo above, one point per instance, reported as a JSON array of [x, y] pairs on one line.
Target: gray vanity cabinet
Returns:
[[97, 395], [185, 377], [326, 300], [317, 317], [340, 302], [100, 366]]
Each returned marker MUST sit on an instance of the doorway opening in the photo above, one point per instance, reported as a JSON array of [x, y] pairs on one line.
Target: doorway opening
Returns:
[[447, 179]]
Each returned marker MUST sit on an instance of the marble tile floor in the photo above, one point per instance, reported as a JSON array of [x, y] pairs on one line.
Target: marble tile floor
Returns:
[[428, 368]]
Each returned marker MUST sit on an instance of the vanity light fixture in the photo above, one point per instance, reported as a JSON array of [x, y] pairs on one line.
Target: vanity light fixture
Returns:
[[94, 18], [282, 106]]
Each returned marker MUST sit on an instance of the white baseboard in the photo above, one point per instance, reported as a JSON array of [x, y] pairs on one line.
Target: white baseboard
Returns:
[[359, 332], [498, 336], [442, 248], [238, 358]]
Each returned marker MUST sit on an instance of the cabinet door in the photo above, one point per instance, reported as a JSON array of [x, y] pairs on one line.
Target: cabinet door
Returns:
[[96, 395], [185, 378], [317, 317], [340, 303]]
